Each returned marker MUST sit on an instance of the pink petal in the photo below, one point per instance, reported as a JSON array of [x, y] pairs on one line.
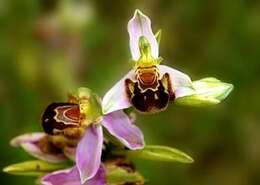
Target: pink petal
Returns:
[[88, 153], [120, 126], [29, 142], [62, 177], [140, 25], [25, 138], [116, 98], [71, 177], [99, 178], [181, 83]]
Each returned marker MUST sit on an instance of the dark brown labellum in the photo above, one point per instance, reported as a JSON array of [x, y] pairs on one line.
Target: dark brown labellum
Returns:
[[152, 98], [59, 116]]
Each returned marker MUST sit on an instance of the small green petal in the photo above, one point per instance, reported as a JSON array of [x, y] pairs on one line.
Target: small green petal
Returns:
[[33, 168], [161, 153], [158, 36]]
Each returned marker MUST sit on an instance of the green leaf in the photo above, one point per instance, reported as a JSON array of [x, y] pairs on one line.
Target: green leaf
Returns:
[[118, 175], [207, 91], [160, 153], [33, 168]]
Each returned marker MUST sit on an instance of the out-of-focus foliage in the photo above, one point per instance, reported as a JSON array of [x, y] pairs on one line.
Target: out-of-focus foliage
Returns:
[[48, 47]]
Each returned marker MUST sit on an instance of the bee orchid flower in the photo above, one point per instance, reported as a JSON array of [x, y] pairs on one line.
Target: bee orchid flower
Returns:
[[75, 130], [150, 86]]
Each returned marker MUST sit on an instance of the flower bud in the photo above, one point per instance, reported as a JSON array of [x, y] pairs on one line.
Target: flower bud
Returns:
[[207, 91]]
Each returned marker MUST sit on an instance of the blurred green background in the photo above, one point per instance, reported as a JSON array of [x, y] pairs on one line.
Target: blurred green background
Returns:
[[50, 46]]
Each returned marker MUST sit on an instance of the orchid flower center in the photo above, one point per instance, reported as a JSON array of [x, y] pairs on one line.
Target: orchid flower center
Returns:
[[89, 105], [146, 59], [144, 48]]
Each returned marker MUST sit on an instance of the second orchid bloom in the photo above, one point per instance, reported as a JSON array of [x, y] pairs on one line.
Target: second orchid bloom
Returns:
[[150, 86], [74, 130]]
